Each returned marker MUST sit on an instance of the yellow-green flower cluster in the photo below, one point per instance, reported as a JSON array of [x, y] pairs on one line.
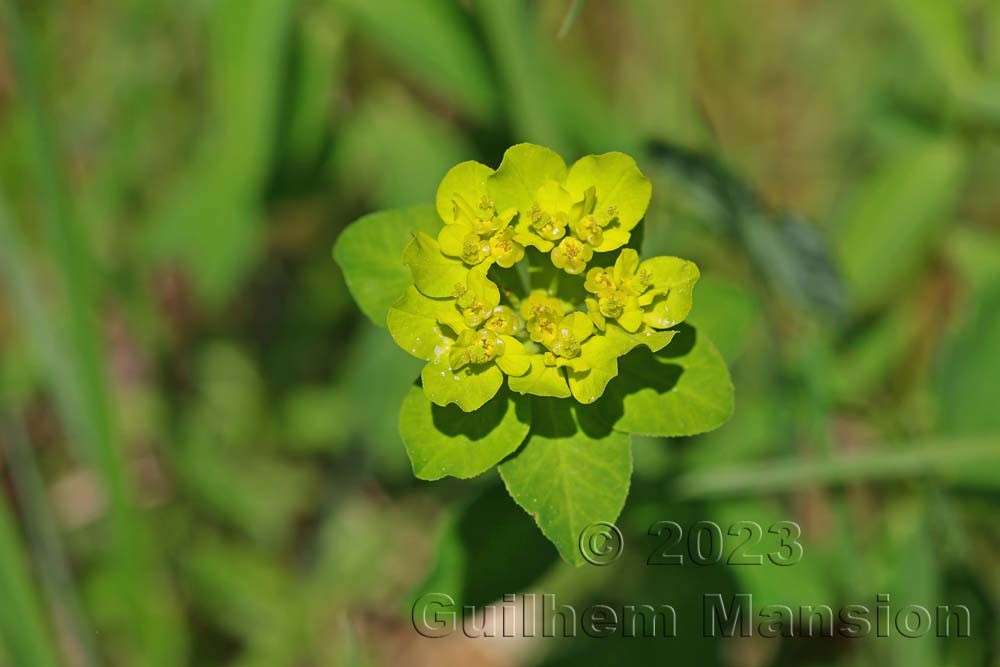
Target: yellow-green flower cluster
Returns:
[[534, 210]]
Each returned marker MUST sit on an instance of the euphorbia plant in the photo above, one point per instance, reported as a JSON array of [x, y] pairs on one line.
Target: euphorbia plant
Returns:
[[548, 340]]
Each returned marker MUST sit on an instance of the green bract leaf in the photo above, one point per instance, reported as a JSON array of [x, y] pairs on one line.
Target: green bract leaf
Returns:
[[673, 282], [621, 192], [414, 323], [684, 389], [597, 364], [445, 441], [570, 473], [469, 387], [466, 180], [370, 253], [540, 380], [433, 273], [524, 169]]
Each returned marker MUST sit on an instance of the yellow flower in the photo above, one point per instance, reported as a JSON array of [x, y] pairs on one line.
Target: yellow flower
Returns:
[[571, 255]]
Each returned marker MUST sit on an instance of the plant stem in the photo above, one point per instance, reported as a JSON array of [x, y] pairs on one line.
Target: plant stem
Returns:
[[883, 463]]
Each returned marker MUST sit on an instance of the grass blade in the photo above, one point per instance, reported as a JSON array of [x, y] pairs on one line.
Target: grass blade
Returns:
[[75, 365], [22, 624]]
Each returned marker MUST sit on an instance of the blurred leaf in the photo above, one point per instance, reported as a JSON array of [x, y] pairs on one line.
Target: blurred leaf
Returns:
[[23, 630], [230, 395], [892, 221], [910, 577], [212, 221], [569, 474], [257, 495], [807, 582], [449, 442], [317, 418], [472, 555], [251, 597], [761, 427], [727, 313], [939, 29], [665, 100], [370, 253], [869, 357], [379, 375], [72, 352], [395, 151], [976, 255], [967, 377], [683, 389], [369, 551], [790, 254], [318, 58], [525, 74], [434, 40], [45, 545], [572, 14]]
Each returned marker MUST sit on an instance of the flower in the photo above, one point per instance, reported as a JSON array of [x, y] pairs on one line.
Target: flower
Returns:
[[591, 207], [467, 341], [552, 342], [654, 293], [475, 231]]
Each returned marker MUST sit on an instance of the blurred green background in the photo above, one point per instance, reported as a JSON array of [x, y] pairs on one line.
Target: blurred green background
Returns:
[[198, 450]]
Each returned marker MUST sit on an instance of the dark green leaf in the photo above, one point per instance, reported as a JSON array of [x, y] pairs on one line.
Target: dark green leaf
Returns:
[[571, 472], [445, 441], [684, 389], [472, 562]]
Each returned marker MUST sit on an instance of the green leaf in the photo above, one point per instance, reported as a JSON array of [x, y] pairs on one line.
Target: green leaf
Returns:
[[212, 217], [571, 472], [939, 29], [376, 377], [540, 380], [527, 75], [370, 253], [386, 124], [597, 365], [434, 274], [524, 168], [467, 179], [26, 637], [786, 251], [897, 215], [445, 441], [673, 279], [617, 182], [414, 323], [471, 561], [684, 389], [469, 387], [432, 40], [967, 375], [728, 312]]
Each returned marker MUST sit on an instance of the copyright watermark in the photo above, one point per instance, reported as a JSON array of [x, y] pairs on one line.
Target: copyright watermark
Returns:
[[601, 543], [701, 543], [532, 615]]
